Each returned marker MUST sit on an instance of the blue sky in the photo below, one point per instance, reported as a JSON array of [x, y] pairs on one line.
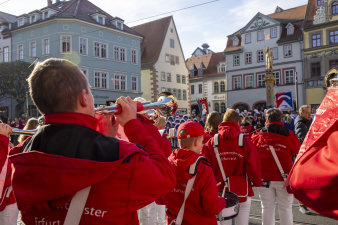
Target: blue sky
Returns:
[[210, 23]]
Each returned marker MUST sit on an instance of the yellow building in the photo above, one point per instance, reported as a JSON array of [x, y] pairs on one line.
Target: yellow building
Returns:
[[320, 47]]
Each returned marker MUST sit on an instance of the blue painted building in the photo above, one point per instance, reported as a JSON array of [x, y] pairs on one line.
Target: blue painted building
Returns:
[[107, 51]]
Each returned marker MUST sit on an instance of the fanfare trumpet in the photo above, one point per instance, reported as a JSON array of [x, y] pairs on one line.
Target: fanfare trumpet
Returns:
[[166, 105]]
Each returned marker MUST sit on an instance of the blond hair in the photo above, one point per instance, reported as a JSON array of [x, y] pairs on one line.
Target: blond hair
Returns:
[[232, 116]]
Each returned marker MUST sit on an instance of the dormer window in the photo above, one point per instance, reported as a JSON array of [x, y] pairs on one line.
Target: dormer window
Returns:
[[100, 20], [235, 41], [32, 19], [221, 68], [118, 23], [45, 15], [21, 22], [290, 29]]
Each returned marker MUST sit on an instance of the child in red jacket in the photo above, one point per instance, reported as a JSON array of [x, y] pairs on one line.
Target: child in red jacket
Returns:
[[203, 203]]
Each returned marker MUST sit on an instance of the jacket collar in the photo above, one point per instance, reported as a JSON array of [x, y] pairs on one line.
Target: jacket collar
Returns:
[[72, 118]]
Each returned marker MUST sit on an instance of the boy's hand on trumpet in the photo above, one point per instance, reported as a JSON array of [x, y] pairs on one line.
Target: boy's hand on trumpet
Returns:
[[129, 110], [5, 129]]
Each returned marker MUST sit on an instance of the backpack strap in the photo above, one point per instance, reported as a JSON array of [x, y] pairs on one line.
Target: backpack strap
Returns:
[[241, 140], [273, 152], [76, 207], [216, 143]]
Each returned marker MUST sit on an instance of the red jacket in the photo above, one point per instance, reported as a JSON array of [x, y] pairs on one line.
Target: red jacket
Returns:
[[45, 183], [246, 130], [314, 177], [285, 146], [236, 161], [207, 136], [203, 202], [7, 197]]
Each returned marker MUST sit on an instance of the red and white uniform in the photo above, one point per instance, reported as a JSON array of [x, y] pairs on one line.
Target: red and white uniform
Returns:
[[44, 183], [236, 161], [246, 130], [203, 203], [314, 177], [285, 147]]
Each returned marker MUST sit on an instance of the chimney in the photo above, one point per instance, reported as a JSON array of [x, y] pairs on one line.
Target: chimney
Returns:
[[49, 2]]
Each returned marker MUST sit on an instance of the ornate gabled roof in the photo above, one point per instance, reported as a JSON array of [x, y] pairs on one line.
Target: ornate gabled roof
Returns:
[[154, 33]]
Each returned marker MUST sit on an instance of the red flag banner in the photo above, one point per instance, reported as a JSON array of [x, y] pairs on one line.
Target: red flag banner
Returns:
[[203, 105]]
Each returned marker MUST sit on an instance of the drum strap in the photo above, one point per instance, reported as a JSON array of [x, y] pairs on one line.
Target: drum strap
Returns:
[[76, 207], [284, 175], [3, 177], [190, 184]]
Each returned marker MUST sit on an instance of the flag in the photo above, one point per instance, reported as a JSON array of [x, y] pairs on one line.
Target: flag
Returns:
[[284, 101], [203, 106]]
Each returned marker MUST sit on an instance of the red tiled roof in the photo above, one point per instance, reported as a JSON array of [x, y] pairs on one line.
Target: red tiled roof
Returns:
[[210, 61], [310, 12], [297, 35], [293, 14], [154, 33]]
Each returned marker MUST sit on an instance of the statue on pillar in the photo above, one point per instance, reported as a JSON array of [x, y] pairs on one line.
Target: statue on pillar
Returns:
[[269, 78]]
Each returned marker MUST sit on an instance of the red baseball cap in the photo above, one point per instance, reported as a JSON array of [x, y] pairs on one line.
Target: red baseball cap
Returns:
[[193, 129]]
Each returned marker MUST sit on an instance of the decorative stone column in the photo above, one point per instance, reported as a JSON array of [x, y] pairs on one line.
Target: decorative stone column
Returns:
[[269, 83]]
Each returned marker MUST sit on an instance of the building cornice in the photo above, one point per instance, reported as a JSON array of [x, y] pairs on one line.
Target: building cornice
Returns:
[[263, 66], [320, 26]]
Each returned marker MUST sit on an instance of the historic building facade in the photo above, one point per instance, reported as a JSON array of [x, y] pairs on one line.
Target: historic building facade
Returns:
[[320, 47], [207, 79], [107, 50], [245, 58], [163, 63]]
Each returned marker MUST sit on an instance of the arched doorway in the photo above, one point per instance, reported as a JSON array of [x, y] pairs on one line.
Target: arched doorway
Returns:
[[261, 105], [241, 106]]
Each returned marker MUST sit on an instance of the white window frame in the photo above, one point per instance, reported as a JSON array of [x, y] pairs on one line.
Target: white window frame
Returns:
[[273, 31], [86, 46], [274, 56], [133, 56], [236, 60], [178, 78], [163, 76], [260, 32], [248, 38], [260, 56], [184, 94], [101, 78], [169, 77], [237, 82], [6, 54], [200, 88], [32, 54], [277, 78], [249, 78], [120, 54], [172, 43], [248, 58], [45, 48], [101, 46], [184, 79], [288, 77], [61, 44], [287, 52], [134, 82], [84, 71], [20, 52], [179, 94], [260, 80]]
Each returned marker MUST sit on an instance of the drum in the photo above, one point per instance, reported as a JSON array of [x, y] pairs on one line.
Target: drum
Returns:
[[232, 208]]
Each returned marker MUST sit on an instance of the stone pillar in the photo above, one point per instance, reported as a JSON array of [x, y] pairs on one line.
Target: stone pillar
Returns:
[[269, 83]]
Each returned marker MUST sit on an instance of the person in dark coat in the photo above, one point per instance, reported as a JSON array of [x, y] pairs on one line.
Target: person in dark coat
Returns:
[[303, 122]]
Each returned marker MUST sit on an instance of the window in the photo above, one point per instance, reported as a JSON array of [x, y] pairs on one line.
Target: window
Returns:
[[168, 77], [175, 92], [320, 2], [333, 63], [235, 41], [133, 56], [172, 43], [32, 49], [316, 40], [163, 89], [222, 86], [162, 76], [169, 90], [100, 20], [123, 83], [260, 56], [334, 8], [287, 50], [200, 89], [277, 77], [315, 69], [65, 44], [117, 82], [45, 47], [333, 37], [184, 95], [260, 35], [289, 76], [223, 109], [119, 54], [100, 50], [21, 22], [290, 29], [192, 89], [183, 79], [216, 107], [172, 60], [273, 32], [178, 78], [6, 53], [237, 82], [248, 81], [221, 68], [179, 94], [167, 58], [248, 58], [20, 52], [236, 60], [274, 53], [100, 79], [216, 87], [134, 83], [85, 72], [248, 38], [260, 80], [83, 46], [45, 15], [32, 19], [177, 59], [119, 25]]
